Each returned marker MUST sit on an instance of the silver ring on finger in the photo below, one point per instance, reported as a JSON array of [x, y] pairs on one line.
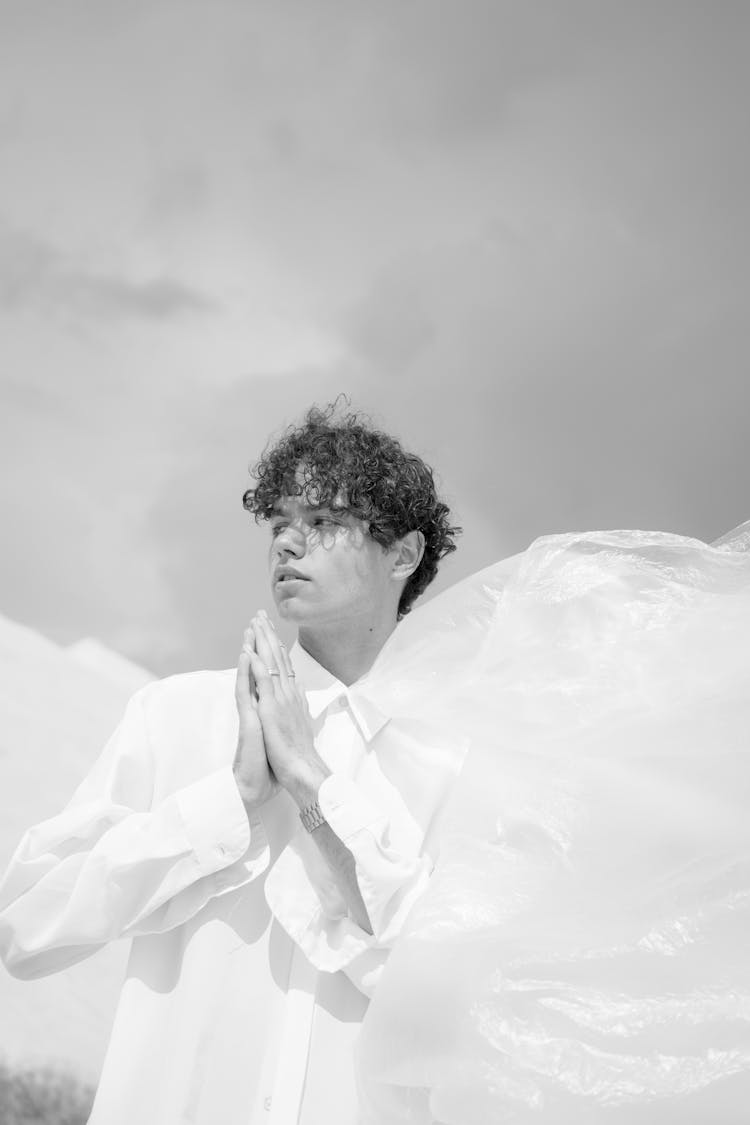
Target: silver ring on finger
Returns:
[[273, 673]]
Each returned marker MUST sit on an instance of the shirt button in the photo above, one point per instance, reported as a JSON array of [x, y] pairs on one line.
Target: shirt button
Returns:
[[267, 1103]]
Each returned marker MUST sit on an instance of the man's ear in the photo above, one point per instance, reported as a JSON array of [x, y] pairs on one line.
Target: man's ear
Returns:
[[408, 554]]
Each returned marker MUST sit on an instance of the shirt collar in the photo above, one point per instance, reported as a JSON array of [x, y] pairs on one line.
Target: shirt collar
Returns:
[[322, 689]]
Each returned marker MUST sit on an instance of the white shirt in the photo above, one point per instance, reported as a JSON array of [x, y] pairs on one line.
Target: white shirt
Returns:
[[247, 980]]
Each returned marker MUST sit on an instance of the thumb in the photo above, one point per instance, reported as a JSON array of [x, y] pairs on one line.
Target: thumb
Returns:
[[245, 684]]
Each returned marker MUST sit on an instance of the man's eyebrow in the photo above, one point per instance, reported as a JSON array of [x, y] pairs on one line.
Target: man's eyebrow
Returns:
[[280, 508]]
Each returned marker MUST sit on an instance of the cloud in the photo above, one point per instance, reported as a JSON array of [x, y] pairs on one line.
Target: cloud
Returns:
[[35, 274], [156, 299], [517, 235]]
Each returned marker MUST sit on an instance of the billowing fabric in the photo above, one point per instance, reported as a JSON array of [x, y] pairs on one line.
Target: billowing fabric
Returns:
[[582, 953]]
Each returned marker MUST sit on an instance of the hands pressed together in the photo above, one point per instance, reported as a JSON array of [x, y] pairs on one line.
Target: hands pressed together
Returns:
[[275, 744], [275, 748]]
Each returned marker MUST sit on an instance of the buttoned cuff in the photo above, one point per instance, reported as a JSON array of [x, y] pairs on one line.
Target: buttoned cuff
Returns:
[[216, 823]]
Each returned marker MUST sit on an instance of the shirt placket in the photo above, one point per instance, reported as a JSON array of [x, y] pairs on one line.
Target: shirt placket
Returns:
[[283, 1106], [285, 1102]]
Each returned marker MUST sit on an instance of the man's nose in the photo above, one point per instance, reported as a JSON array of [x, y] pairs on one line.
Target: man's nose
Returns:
[[291, 543]]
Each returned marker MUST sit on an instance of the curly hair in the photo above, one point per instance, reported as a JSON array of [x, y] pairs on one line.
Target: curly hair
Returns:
[[391, 490]]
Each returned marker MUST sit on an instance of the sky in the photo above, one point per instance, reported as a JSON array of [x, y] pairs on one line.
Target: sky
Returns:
[[515, 234]]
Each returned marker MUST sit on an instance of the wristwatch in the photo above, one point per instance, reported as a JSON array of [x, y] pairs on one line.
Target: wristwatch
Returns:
[[312, 817]]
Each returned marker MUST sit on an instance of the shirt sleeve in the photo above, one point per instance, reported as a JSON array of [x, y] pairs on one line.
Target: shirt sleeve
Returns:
[[115, 864], [391, 875]]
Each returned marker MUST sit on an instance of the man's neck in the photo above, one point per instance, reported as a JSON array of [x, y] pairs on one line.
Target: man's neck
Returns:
[[346, 654]]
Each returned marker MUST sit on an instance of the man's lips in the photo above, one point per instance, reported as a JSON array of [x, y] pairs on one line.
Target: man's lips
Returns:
[[288, 573]]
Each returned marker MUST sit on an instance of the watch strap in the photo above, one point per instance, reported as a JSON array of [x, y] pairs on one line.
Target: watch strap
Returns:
[[312, 817]]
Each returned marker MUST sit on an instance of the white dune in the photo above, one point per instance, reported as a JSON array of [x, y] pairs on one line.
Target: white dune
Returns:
[[58, 706]]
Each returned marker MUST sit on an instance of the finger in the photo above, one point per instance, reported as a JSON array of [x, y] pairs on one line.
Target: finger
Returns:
[[265, 651], [248, 646], [284, 682], [262, 647], [293, 684], [303, 700], [287, 680], [274, 643], [245, 684], [263, 681], [288, 666]]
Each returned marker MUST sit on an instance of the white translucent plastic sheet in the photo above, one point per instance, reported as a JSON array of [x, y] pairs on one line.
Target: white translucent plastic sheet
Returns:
[[583, 953]]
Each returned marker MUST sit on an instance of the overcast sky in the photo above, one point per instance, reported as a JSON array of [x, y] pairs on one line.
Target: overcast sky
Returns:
[[515, 233]]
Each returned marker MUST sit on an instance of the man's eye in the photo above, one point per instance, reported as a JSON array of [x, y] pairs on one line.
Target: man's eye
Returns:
[[276, 528], [324, 521]]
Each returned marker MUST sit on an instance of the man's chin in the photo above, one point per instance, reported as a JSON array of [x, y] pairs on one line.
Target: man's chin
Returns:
[[298, 611], [290, 609]]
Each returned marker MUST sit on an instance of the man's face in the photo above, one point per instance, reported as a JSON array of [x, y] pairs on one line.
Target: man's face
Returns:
[[325, 567]]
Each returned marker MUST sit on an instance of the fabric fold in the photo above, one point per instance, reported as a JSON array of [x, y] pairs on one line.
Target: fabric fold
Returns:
[[580, 952]]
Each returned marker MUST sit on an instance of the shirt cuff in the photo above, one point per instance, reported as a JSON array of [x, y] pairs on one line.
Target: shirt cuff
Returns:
[[216, 822], [390, 880], [346, 808]]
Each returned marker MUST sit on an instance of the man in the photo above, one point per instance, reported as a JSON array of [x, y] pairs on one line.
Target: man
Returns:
[[261, 836]]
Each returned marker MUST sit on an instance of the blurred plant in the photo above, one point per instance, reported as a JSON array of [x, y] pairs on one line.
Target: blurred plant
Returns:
[[42, 1096]]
